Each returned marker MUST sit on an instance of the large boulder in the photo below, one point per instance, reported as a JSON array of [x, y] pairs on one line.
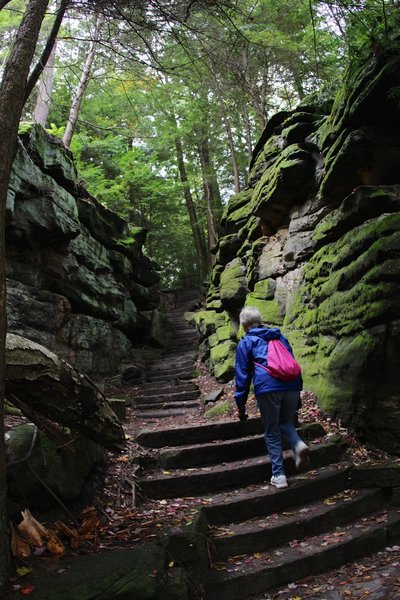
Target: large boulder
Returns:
[[41, 467]]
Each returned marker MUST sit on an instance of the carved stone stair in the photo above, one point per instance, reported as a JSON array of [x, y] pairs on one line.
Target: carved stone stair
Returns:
[[169, 389], [259, 537]]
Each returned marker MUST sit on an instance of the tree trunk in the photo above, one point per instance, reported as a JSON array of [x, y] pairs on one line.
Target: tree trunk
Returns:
[[247, 127], [43, 100], [229, 135], [257, 95], [12, 90], [197, 235], [80, 92], [48, 49], [211, 189]]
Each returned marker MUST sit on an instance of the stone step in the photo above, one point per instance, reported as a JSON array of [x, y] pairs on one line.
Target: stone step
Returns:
[[164, 413], [238, 473], [209, 432], [180, 346], [181, 339], [167, 405], [294, 561], [220, 451], [185, 375], [181, 326], [170, 397], [242, 505], [181, 333], [159, 387], [179, 349], [199, 434], [296, 523], [166, 363], [177, 371]]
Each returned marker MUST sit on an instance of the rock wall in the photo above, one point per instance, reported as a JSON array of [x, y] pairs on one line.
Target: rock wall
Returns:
[[314, 243], [77, 279]]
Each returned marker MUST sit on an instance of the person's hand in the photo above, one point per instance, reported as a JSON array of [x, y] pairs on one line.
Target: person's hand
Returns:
[[242, 413]]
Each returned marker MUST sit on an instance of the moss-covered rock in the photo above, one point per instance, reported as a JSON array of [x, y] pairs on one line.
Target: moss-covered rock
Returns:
[[233, 286], [207, 321], [270, 310], [289, 172], [227, 332], [57, 468], [222, 360], [50, 154], [218, 410], [235, 203]]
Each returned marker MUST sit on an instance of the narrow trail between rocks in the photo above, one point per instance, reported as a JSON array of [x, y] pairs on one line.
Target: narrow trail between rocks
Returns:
[[199, 487]]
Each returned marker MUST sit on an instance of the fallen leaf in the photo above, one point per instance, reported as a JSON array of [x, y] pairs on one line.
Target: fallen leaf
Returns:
[[28, 589], [22, 571], [91, 522], [54, 545], [31, 529], [19, 547]]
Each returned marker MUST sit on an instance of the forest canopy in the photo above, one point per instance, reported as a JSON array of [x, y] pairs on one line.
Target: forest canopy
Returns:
[[162, 103]]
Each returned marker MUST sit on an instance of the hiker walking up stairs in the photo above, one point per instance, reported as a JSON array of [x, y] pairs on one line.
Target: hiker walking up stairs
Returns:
[[169, 390]]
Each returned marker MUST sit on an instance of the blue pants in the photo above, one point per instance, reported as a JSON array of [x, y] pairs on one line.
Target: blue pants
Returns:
[[278, 411]]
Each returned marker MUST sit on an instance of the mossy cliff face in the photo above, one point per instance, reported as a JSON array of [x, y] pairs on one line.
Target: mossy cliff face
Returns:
[[316, 234], [78, 281]]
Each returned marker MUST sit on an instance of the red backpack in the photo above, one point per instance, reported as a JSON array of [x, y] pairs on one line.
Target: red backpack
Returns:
[[281, 363]]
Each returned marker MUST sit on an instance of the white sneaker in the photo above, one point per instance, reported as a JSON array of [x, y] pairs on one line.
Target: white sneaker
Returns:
[[279, 481], [301, 455]]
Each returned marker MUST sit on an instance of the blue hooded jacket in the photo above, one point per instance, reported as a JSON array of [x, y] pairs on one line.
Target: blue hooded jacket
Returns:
[[253, 348]]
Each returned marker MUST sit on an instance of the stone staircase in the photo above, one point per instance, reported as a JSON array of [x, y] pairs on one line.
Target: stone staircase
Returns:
[[169, 390], [260, 538]]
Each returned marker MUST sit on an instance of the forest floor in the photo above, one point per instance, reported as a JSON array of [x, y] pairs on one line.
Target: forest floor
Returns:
[[118, 517]]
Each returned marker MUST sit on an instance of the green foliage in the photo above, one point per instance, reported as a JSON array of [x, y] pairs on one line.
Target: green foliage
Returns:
[[213, 78]]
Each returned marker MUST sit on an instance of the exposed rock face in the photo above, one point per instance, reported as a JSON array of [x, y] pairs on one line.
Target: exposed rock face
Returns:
[[78, 282], [314, 243], [37, 381]]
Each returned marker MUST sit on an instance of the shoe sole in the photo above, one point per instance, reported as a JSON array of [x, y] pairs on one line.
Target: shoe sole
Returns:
[[279, 486]]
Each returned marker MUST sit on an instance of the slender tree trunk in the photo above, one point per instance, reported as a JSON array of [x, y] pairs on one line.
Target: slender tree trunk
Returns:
[[229, 135], [12, 92], [211, 189], [231, 146], [197, 235], [80, 92], [51, 41], [257, 96], [43, 100], [247, 128]]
